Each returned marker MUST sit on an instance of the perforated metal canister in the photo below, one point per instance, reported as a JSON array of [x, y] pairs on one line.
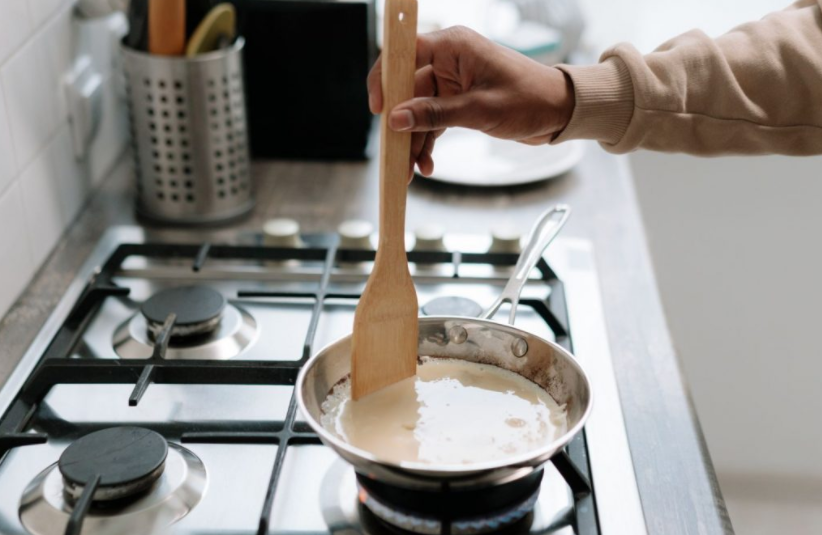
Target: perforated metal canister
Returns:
[[189, 135]]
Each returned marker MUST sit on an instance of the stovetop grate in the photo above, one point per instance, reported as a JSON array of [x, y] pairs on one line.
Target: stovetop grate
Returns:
[[55, 367]]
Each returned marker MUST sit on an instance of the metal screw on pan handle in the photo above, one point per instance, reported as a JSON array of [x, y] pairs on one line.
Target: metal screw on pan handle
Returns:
[[545, 230], [457, 334]]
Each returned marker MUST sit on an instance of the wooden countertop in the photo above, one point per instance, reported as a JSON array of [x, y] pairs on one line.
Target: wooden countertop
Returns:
[[676, 480]]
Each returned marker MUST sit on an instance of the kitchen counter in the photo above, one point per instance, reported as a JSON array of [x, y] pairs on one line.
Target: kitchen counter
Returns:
[[675, 476]]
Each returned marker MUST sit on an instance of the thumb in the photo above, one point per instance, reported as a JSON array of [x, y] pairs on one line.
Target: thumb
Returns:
[[434, 113]]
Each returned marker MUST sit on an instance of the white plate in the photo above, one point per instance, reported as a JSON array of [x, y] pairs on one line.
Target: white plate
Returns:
[[472, 158]]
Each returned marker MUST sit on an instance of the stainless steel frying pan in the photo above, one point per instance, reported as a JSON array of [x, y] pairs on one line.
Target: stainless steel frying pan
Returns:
[[478, 340]]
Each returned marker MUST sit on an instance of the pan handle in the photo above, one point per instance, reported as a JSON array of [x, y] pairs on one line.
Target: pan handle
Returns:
[[545, 230]]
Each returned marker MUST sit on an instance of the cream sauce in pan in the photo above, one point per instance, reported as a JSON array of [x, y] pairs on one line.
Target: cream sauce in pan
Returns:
[[451, 412]]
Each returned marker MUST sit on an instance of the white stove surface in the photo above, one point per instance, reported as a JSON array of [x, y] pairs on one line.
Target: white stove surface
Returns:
[[316, 492]]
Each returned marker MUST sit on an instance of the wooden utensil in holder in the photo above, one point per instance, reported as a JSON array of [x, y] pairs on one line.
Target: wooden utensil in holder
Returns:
[[167, 27], [384, 346]]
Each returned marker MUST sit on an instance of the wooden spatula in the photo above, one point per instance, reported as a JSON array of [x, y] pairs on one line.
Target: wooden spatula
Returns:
[[384, 348], [167, 27], [219, 24]]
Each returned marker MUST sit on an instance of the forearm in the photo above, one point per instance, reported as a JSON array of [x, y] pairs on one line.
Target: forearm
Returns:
[[754, 90]]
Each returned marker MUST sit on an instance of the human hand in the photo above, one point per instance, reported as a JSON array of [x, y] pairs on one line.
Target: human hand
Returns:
[[464, 79]]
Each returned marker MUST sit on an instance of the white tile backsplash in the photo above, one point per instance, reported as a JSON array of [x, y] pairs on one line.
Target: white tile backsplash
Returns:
[[41, 206], [31, 99], [61, 37], [15, 26], [73, 180], [42, 186], [15, 261], [8, 167], [41, 10]]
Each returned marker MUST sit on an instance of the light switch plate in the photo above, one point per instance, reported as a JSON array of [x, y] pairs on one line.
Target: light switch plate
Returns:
[[84, 101], [117, 26]]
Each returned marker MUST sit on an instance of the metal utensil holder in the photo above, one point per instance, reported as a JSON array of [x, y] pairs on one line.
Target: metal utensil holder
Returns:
[[189, 135]]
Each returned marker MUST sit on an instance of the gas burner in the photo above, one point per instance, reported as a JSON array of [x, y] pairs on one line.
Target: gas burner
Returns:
[[452, 306], [458, 512], [128, 460], [48, 502], [198, 310], [233, 331]]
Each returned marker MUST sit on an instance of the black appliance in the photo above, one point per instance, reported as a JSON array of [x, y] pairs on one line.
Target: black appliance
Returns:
[[306, 63]]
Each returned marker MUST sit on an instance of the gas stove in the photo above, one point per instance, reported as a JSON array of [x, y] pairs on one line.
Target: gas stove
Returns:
[[159, 395]]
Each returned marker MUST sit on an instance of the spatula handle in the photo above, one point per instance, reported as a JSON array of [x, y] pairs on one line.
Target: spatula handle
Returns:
[[399, 56], [167, 27]]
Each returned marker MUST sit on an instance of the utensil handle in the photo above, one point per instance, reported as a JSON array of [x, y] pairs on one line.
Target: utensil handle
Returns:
[[545, 230], [399, 57], [167, 27]]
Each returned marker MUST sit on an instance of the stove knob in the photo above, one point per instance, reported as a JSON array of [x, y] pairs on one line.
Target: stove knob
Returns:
[[429, 238], [505, 239], [282, 233], [355, 234]]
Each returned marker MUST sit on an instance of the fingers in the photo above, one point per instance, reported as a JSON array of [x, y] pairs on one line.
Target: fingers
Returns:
[[426, 43], [447, 41], [424, 114], [426, 161], [374, 83], [425, 83], [422, 149], [417, 143], [421, 146]]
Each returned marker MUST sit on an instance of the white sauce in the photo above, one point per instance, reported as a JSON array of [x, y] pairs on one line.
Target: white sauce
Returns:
[[451, 412]]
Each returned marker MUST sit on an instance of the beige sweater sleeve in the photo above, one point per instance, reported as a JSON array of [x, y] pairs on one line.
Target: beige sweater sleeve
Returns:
[[755, 90]]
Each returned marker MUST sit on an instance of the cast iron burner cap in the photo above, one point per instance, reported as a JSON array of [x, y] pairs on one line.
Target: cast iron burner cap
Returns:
[[198, 309], [452, 306], [127, 459]]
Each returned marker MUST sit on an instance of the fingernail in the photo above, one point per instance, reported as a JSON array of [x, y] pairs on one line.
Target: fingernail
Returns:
[[401, 120], [372, 105]]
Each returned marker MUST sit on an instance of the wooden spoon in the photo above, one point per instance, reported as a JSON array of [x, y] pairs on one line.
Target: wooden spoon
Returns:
[[384, 347], [167, 27], [219, 24]]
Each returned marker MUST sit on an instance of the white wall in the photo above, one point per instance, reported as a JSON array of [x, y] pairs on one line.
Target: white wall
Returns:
[[649, 23], [42, 186], [737, 248]]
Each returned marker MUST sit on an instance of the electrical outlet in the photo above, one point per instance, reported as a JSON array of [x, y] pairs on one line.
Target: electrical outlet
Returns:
[[117, 26], [83, 88]]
